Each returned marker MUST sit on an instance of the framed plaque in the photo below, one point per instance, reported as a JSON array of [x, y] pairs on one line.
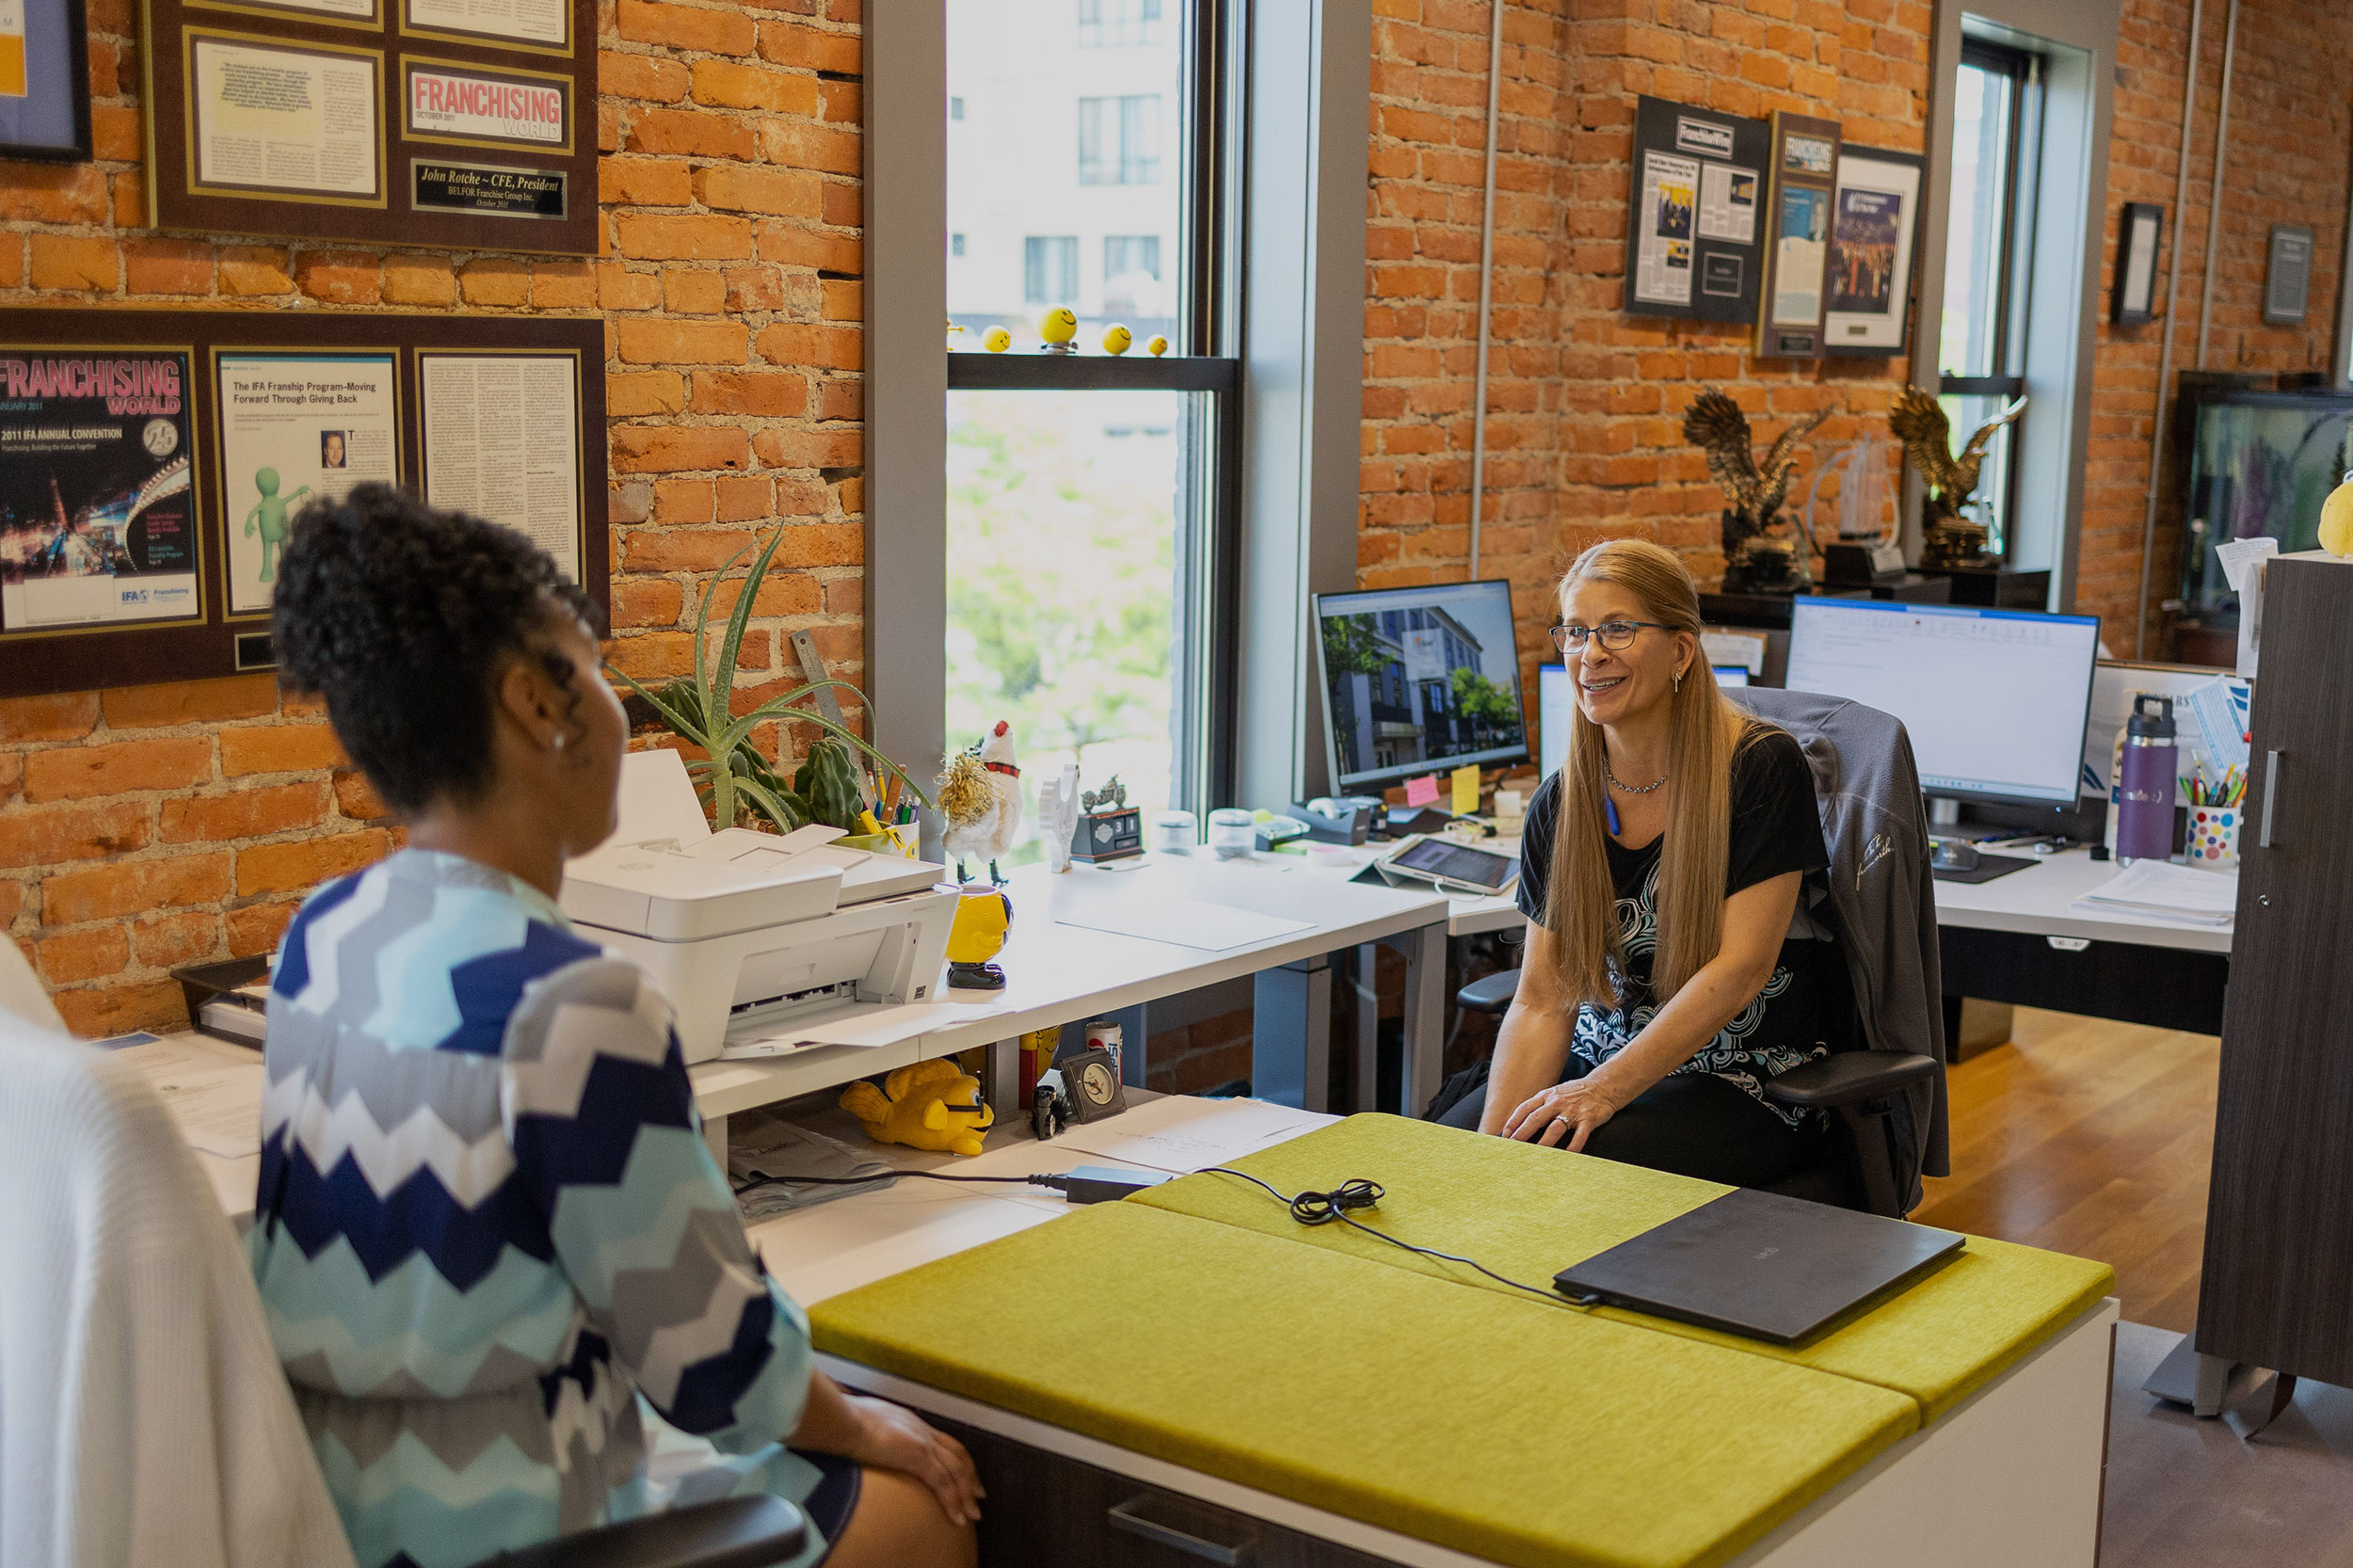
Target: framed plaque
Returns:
[[1798, 212], [44, 81], [428, 123], [152, 463]]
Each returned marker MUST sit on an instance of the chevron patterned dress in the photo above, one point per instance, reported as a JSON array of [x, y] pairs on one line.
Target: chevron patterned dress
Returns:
[[502, 1268]]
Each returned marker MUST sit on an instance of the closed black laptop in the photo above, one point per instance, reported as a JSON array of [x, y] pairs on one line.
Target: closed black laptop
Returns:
[[1758, 1264]]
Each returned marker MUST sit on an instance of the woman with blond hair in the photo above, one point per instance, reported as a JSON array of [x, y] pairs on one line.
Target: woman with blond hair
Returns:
[[1670, 971]]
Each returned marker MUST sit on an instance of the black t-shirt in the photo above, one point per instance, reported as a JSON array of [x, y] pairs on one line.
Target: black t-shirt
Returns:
[[1776, 829]]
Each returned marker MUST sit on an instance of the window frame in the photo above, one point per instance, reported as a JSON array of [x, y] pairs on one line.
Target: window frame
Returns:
[[2013, 257], [1206, 360]]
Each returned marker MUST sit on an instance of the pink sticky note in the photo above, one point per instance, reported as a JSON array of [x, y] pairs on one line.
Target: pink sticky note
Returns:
[[1422, 790]]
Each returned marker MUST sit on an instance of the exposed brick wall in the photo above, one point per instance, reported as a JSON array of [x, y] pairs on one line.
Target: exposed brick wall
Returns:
[[148, 828], [1585, 402], [2291, 123]]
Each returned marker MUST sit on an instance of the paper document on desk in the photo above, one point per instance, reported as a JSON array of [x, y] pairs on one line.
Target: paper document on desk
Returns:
[[1185, 923], [2155, 889], [1182, 1134], [217, 1098], [870, 1026]]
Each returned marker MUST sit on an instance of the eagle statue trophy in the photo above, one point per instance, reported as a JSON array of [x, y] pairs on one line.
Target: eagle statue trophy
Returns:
[[1761, 551], [1946, 538]]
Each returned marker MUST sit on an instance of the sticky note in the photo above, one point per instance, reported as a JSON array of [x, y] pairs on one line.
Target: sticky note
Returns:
[[1422, 790], [1467, 790]]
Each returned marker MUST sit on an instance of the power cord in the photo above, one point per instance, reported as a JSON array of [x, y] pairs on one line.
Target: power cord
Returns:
[[1087, 1184], [1322, 1209]]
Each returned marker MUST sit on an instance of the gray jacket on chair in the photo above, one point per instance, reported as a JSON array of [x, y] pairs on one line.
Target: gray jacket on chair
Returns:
[[1881, 893]]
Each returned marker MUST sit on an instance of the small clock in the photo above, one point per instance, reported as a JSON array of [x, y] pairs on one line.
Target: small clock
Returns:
[[1092, 1081]]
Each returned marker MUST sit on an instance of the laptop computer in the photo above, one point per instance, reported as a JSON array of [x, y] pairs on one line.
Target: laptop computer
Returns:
[[1759, 1264]]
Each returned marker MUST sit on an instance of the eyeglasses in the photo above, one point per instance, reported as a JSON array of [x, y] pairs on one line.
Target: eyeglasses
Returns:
[[1615, 635]]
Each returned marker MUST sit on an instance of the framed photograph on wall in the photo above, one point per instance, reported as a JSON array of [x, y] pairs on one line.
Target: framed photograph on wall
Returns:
[[44, 81], [1875, 216], [2141, 236]]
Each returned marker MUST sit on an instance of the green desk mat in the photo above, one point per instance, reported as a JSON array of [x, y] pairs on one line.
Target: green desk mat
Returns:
[[1528, 1213], [1520, 1431]]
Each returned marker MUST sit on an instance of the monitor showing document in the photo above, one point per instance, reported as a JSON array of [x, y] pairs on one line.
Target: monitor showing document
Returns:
[[1419, 680], [1994, 700]]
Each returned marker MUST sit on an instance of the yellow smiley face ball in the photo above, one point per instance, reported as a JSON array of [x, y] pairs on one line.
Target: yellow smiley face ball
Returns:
[[1116, 339], [1059, 324], [1158, 345], [996, 339]]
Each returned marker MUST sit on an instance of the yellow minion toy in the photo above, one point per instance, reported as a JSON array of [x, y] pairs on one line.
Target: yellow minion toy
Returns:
[[1058, 326], [982, 915]]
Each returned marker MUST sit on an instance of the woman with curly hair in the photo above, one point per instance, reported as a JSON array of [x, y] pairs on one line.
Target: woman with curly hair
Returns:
[[502, 1270]]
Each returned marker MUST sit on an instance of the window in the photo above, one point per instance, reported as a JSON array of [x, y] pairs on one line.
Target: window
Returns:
[[955, 245], [1049, 269], [1093, 501], [1118, 23], [955, 108], [1119, 140], [1989, 244]]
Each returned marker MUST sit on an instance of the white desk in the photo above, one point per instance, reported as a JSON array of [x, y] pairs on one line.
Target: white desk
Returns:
[[2034, 902]]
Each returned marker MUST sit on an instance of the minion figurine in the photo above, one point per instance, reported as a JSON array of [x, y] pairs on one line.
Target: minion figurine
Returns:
[[1116, 339], [996, 339], [1058, 326], [1158, 346], [978, 934]]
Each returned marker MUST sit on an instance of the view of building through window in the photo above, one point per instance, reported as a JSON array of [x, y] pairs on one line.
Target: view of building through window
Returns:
[[1065, 184], [1980, 241]]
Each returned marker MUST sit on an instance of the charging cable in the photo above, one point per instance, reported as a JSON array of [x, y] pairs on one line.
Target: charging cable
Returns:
[[1322, 1209]]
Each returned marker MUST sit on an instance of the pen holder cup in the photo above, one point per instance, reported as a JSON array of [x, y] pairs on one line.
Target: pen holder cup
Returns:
[[2213, 836]]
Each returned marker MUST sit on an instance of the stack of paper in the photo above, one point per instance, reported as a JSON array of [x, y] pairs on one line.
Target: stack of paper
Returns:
[[2154, 889]]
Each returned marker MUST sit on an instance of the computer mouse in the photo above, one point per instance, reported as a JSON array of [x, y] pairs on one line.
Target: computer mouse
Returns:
[[1954, 855]]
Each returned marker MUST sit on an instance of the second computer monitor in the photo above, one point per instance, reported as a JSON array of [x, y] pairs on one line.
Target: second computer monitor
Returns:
[[1995, 700]]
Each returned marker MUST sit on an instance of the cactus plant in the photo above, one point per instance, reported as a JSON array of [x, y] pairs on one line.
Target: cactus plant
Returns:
[[733, 778]]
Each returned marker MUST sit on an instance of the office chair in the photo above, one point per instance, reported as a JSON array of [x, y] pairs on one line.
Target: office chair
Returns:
[[1859, 1090], [107, 1199]]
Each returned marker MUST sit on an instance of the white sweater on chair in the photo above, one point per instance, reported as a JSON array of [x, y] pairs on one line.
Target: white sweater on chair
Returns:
[[143, 1416]]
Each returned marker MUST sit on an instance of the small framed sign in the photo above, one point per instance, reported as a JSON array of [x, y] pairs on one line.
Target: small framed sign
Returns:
[[2288, 277], [2133, 301], [44, 81]]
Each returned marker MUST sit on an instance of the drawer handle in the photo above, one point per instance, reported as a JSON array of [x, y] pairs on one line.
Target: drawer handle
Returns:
[[2068, 944], [1128, 1516], [2271, 797]]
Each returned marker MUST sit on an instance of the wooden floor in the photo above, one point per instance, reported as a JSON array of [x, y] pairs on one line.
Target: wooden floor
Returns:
[[2092, 1137]]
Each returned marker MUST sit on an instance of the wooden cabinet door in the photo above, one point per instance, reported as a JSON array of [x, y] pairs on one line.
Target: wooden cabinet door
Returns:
[[2278, 1287]]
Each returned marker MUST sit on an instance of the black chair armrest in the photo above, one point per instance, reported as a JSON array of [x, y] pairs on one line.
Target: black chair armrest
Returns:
[[1847, 1077], [1491, 993], [733, 1532]]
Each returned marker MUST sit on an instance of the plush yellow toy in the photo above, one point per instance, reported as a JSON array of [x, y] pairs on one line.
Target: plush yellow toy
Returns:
[[2336, 521], [931, 1105]]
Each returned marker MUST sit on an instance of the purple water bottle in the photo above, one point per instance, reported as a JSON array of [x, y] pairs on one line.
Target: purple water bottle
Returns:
[[2144, 819]]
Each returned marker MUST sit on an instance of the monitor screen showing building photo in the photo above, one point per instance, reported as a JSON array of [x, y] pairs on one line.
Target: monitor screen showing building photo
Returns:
[[1420, 679]]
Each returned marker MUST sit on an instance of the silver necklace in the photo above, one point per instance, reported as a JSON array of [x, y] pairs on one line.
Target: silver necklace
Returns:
[[1629, 789]]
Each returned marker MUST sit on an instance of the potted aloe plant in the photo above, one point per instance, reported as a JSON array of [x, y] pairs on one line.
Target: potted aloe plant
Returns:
[[738, 784]]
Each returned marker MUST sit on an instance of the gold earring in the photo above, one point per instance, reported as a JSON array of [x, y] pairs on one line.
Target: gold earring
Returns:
[[1678, 683]]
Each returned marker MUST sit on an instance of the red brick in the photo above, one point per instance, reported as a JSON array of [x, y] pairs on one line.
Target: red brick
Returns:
[[98, 1012], [691, 134], [130, 886], [235, 696], [119, 767], [793, 43], [253, 269], [712, 30], [495, 280], [340, 277], [743, 86], [419, 280], [643, 182], [782, 395], [243, 813], [157, 266], [302, 864], [277, 748], [76, 261], [89, 953], [647, 76], [655, 449], [67, 716], [255, 929], [357, 799], [170, 940], [655, 341], [671, 237], [54, 193], [631, 394], [54, 837]]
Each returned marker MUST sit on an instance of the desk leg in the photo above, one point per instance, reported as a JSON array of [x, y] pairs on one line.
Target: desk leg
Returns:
[[1425, 1014], [1367, 987], [716, 1138], [1003, 1088], [1290, 1033]]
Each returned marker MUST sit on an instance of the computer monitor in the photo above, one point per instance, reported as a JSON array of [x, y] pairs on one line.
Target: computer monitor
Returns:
[[1417, 680], [1995, 700]]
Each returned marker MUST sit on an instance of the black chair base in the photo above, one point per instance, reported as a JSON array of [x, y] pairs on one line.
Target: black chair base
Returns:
[[733, 1532]]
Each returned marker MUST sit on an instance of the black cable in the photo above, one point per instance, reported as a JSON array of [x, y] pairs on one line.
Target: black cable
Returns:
[[1055, 1182], [1322, 1209]]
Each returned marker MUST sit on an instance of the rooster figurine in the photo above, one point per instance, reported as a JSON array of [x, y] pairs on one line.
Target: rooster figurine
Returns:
[[980, 794]]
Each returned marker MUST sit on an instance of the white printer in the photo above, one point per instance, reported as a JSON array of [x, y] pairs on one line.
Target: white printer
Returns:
[[756, 939]]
